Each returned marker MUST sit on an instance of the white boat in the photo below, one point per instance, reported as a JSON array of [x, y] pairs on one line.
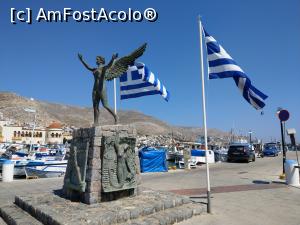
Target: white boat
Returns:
[[20, 163], [23, 159], [53, 169], [200, 156]]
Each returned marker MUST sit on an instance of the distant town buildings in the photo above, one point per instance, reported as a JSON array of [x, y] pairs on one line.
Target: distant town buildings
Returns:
[[55, 133]]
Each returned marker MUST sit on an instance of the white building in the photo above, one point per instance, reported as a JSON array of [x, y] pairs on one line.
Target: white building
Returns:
[[53, 134]]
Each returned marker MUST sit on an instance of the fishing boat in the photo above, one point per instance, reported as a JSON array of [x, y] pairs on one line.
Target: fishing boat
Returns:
[[174, 156], [20, 163], [19, 169], [53, 169], [23, 159]]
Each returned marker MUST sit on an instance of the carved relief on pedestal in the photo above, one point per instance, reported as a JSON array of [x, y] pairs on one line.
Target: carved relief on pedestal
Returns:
[[118, 168], [76, 170]]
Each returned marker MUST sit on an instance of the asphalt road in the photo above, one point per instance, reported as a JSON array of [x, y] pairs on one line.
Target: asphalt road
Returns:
[[265, 169]]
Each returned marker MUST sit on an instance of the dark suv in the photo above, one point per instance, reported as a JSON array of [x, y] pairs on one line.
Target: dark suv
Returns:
[[243, 152]]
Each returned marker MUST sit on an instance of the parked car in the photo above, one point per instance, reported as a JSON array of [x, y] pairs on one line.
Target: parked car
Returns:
[[221, 155], [238, 152], [270, 151], [273, 145]]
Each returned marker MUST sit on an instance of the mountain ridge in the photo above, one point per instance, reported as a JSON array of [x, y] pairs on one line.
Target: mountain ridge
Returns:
[[12, 107]]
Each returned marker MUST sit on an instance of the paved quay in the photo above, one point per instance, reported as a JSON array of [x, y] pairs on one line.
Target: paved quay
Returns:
[[278, 206], [242, 193], [22, 187]]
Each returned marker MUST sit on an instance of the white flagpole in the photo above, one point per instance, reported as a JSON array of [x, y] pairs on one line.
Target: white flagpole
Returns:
[[115, 96], [204, 118]]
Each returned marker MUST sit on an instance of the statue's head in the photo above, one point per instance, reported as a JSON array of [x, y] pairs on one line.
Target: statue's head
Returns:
[[100, 60]]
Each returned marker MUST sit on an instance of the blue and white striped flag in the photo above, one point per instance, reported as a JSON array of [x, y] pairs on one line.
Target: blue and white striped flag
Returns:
[[139, 81], [221, 65]]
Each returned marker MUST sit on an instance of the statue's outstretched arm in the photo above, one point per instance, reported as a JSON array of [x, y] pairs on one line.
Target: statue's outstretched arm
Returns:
[[84, 63]]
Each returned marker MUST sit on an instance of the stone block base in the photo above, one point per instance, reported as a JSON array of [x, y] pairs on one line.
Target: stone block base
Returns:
[[101, 165]]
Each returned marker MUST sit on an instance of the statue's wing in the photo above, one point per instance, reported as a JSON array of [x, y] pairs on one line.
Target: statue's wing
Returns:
[[120, 65]]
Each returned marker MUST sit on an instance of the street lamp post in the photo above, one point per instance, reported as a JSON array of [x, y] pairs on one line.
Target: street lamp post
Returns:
[[30, 110], [250, 132], [33, 129]]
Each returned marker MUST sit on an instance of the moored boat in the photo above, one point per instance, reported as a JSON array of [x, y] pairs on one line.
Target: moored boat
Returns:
[[23, 159], [47, 171]]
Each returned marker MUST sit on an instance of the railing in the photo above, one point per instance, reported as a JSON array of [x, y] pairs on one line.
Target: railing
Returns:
[[42, 164], [25, 165]]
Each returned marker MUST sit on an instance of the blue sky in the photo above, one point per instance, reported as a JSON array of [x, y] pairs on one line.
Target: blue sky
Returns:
[[40, 60]]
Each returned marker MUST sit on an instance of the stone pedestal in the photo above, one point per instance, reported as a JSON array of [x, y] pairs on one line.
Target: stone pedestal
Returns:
[[102, 165]]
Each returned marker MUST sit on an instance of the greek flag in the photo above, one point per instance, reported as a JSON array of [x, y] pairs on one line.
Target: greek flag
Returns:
[[221, 65], [139, 81]]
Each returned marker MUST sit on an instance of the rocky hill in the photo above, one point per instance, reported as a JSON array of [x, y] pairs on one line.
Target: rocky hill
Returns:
[[12, 107]]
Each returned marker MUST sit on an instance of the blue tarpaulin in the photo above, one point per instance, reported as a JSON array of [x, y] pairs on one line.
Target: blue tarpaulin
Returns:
[[197, 152], [153, 160]]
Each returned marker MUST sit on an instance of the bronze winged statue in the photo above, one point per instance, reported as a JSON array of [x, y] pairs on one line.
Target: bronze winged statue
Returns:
[[114, 69]]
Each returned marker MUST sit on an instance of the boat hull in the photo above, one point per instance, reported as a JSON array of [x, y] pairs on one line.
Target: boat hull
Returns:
[[45, 171]]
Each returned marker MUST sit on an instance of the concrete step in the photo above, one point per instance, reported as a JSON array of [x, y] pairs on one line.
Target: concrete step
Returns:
[[60, 211], [2, 222], [13, 215], [153, 206], [169, 216]]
